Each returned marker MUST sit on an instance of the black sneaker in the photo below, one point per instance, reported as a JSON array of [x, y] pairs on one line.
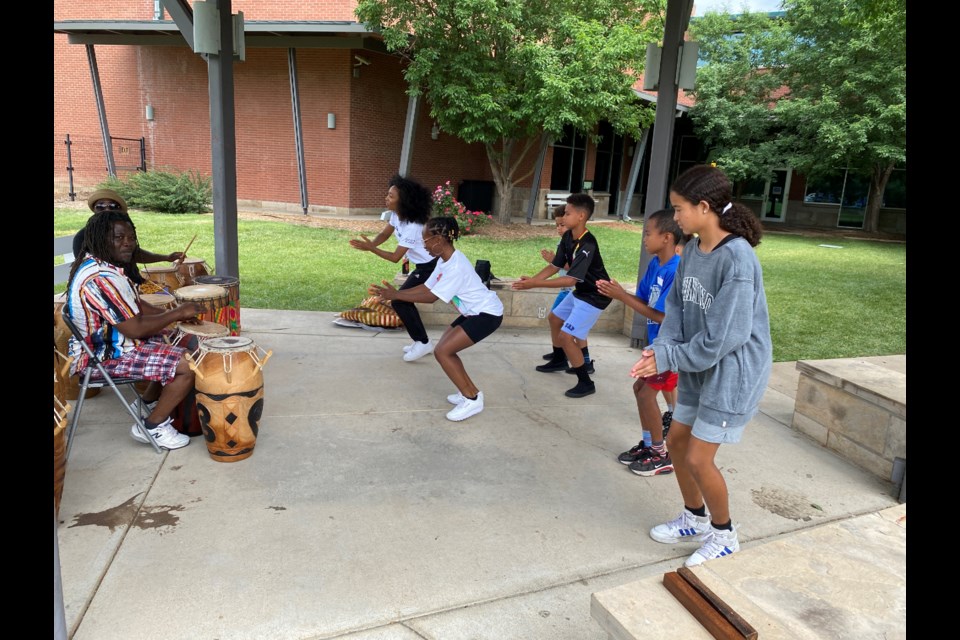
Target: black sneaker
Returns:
[[553, 366], [574, 371], [652, 466], [667, 421], [582, 389], [548, 356], [636, 453]]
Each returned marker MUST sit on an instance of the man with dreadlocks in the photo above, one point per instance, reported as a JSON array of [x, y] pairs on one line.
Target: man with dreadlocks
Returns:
[[124, 331], [110, 200]]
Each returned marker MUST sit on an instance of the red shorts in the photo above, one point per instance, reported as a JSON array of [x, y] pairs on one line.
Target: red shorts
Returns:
[[666, 381], [153, 359]]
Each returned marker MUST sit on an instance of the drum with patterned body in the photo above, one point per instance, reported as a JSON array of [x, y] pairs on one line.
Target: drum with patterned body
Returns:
[[228, 316], [229, 395]]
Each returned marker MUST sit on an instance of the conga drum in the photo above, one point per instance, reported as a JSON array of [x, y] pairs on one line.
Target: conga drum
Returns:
[[229, 395], [228, 316], [167, 277], [211, 297], [190, 268]]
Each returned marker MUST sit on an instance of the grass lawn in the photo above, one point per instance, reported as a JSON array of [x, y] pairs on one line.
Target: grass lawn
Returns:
[[824, 302]]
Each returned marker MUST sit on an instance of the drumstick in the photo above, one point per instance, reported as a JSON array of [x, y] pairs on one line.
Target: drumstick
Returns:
[[180, 261]]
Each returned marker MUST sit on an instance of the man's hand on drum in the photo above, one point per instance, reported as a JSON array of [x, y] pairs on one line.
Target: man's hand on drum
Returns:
[[363, 245], [189, 312], [385, 292], [176, 255]]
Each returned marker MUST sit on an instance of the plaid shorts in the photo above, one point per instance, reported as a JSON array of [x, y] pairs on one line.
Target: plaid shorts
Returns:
[[153, 360]]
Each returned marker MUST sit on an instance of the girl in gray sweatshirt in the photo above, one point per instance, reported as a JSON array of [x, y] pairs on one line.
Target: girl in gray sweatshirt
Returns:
[[716, 335]]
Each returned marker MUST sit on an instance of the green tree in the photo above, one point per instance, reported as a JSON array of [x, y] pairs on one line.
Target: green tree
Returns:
[[737, 90], [847, 101], [501, 72]]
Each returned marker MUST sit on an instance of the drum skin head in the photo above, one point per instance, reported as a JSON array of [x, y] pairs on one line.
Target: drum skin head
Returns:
[[227, 344], [201, 292], [223, 281]]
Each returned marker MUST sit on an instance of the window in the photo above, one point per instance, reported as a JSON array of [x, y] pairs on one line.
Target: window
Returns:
[[569, 159], [845, 189], [895, 197]]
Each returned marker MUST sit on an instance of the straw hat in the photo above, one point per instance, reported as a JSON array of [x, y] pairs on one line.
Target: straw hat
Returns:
[[106, 194]]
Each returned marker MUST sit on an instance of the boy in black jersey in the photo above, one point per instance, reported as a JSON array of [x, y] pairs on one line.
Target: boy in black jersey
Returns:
[[578, 312]]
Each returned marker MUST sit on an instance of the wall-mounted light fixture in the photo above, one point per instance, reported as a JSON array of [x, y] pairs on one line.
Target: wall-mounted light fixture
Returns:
[[331, 121], [361, 61], [435, 132], [150, 112]]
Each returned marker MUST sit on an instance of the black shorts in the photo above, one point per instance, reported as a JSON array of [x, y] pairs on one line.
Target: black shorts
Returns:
[[478, 327]]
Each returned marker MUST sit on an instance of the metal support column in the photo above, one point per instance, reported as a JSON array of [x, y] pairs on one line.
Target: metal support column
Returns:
[[638, 150], [224, 147], [297, 126], [101, 111], [537, 175], [409, 131], [59, 615], [678, 16]]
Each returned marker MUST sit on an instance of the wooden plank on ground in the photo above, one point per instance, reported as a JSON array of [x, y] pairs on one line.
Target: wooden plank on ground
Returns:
[[691, 599], [734, 618]]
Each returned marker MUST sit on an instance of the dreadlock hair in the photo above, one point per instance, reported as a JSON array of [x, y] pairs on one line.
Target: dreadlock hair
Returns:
[[414, 199], [711, 185], [98, 237], [446, 226], [664, 222]]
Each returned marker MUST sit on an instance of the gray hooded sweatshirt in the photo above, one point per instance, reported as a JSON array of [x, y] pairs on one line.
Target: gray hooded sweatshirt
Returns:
[[716, 332]]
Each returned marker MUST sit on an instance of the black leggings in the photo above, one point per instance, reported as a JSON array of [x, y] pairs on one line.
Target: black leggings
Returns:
[[408, 310]]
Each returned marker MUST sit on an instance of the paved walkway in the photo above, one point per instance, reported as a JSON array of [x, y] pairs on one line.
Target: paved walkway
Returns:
[[364, 514]]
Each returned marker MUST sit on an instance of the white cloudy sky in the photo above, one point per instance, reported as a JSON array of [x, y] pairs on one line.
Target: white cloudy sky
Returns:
[[733, 6]]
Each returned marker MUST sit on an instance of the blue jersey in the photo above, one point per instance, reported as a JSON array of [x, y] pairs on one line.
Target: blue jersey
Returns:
[[654, 287]]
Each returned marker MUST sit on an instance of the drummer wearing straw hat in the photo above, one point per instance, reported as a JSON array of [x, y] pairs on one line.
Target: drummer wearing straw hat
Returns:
[[110, 200]]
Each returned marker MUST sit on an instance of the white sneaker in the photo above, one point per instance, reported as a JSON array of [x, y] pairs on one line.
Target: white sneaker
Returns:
[[407, 347], [717, 544], [455, 398], [146, 408], [164, 434], [686, 526], [418, 350], [466, 408]]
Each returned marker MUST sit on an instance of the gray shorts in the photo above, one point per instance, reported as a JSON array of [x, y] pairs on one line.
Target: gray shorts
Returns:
[[703, 430]]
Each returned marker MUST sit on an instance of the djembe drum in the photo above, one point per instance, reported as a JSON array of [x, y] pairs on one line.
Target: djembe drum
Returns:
[[189, 335], [167, 277], [229, 395], [211, 297], [190, 268], [228, 316]]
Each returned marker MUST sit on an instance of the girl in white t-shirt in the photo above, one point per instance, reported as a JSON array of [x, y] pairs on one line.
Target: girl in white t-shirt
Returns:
[[454, 280], [408, 203]]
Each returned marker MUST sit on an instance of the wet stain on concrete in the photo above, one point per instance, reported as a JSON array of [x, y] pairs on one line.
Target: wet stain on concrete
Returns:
[[278, 508], [787, 504], [161, 515], [176, 467], [113, 518]]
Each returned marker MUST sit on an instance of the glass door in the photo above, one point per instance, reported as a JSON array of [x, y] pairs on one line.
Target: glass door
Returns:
[[774, 206]]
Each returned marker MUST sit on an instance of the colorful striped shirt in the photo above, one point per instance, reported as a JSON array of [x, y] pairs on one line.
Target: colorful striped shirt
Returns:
[[99, 297]]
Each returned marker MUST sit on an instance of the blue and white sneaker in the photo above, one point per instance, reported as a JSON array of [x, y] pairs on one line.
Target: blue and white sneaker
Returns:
[[717, 544], [686, 526]]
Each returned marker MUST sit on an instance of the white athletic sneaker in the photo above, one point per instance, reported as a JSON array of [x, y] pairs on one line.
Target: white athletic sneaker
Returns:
[[407, 347], [146, 408], [466, 409], [164, 434], [455, 398], [418, 350], [686, 526], [717, 543]]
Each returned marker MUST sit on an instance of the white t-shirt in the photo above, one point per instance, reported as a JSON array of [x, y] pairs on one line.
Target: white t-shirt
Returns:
[[456, 281], [410, 235]]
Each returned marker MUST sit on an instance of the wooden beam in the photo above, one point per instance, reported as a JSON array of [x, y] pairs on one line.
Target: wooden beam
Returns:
[[703, 610]]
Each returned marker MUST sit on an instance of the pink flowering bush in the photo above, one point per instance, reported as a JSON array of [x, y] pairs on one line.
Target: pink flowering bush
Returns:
[[444, 204]]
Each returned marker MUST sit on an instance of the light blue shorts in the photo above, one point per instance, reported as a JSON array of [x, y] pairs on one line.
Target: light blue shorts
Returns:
[[578, 316], [703, 430], [560, 296]]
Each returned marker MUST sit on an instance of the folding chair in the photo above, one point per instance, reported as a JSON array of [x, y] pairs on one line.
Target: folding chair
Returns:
[[97, 383]]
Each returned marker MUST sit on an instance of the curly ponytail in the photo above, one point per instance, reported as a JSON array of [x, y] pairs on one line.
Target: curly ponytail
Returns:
[[711, 185]]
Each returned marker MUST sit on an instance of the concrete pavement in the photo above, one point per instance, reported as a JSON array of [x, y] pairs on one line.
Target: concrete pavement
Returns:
[[364, 514]]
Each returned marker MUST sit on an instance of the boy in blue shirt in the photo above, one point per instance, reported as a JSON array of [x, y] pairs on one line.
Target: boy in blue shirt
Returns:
[[661, 236]]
